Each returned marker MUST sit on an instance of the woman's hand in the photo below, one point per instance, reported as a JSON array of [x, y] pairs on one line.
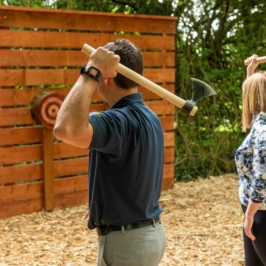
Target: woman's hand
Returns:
[[252, 64], [248, 223], [87, 215]]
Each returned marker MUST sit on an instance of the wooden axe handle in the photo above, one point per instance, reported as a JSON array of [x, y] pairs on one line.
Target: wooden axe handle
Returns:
[[170, 97], [258, 59], [261, 59]]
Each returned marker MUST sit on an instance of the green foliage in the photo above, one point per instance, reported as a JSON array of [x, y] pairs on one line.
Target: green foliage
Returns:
[[212, 47], [213, 39], [26, 3]]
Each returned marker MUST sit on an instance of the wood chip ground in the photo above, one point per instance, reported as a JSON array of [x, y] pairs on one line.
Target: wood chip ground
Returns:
[[202, 219]]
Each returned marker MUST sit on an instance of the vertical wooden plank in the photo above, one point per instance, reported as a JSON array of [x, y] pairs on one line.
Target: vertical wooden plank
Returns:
[[48, 164]]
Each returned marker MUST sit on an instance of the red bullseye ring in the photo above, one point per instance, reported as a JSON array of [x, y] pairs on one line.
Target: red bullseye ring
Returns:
[[49, 107]]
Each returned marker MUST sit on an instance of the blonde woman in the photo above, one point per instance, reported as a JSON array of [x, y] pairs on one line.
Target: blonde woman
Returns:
[[250, 160]]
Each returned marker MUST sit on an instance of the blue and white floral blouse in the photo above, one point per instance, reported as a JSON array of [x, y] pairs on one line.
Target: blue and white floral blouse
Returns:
[[250, 161]]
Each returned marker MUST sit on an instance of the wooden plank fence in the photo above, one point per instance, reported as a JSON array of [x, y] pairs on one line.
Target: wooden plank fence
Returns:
[[40, 51]]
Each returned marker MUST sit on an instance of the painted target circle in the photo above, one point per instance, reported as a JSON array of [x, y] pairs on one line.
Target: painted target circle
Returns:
[[49, 107]]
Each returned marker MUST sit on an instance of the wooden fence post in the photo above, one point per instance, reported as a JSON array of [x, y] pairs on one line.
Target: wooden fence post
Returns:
[[48, 168], [44, 109]]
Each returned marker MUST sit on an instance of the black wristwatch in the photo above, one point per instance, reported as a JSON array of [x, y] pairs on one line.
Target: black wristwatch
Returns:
[[91, 71]]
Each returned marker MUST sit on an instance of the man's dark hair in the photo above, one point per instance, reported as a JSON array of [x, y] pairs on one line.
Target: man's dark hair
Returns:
[[130, 56]]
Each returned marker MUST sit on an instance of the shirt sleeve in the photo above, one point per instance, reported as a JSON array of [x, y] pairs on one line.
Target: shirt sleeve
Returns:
[[109, 132], [258, 186]]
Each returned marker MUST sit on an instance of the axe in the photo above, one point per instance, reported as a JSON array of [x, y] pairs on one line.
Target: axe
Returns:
[[199, 88]]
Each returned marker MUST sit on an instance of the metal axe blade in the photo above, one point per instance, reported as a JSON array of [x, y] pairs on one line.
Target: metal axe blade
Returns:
[[200, 90]]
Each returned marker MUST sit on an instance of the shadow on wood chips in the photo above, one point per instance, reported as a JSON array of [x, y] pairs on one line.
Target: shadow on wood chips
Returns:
[[203, 223]]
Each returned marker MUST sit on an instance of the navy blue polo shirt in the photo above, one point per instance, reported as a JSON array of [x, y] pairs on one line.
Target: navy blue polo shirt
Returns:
[[125, 164]]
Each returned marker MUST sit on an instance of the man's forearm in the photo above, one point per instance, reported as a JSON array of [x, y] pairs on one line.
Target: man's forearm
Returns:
[[73, 114]]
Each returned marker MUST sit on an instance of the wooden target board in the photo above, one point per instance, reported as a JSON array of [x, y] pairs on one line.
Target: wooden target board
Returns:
[[45, 107]]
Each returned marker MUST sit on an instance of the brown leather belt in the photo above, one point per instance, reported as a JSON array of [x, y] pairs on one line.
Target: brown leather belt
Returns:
[[106, 229]]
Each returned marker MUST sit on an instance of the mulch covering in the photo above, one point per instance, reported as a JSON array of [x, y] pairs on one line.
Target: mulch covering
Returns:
[[203, 223]]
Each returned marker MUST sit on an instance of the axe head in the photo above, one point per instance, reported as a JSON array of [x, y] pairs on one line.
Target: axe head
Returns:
[[200, 90]]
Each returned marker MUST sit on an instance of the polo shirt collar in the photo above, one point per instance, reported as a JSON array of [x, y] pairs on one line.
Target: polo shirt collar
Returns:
[[127, 100]]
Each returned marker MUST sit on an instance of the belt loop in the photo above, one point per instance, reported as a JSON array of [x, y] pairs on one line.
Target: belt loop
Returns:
[[154, 224], [123, 229]]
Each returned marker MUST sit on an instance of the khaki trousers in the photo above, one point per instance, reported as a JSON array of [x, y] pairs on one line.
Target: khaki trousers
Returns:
[[136, 247]]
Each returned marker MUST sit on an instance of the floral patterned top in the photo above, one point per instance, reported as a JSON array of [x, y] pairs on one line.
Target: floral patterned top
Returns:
[[250, 161]]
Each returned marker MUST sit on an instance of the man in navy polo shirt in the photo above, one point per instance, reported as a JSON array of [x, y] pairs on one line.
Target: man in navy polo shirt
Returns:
[[125, 161]]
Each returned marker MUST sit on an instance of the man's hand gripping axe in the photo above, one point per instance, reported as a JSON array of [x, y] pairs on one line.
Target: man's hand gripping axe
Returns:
[[199, 88]]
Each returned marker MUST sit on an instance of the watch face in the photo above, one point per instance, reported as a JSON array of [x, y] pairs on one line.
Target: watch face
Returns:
[[93, 71]]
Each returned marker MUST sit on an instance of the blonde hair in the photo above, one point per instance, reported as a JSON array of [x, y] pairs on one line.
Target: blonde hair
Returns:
[[254, 98]]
